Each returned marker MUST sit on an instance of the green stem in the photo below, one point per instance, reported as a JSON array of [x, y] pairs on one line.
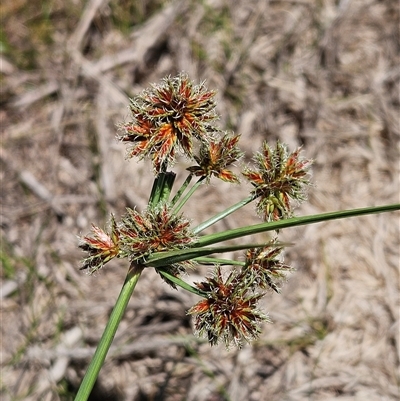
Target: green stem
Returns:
[[295, 221], [162, 186], [183, 284], [109, 333], [181, 190], [223, 214], [158, 184], [182, 202]]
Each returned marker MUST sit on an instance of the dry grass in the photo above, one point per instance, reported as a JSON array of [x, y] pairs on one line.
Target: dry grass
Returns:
[[322, 74]]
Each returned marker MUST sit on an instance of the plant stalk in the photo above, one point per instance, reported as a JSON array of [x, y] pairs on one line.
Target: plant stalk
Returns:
[[109, 332], [223, 214], [183, 200]]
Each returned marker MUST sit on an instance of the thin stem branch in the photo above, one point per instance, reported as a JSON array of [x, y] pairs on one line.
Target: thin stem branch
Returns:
[[183, 200], [223, 214], [183, 284], [181, 190]]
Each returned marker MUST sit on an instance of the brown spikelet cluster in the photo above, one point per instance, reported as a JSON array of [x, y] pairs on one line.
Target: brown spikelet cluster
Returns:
[[167, 118], [101, 247], [229, 313], [137, 236], [278, 178], [216, 156], [264, 268], [155, 230]]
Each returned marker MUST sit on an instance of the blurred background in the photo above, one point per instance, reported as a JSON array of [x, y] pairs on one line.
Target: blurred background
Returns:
[[322, 74]]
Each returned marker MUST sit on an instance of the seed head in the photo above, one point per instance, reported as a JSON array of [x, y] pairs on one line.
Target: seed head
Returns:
[[167, 118], [102, 247], [278, 178], [215, 156], [155, 230], [229, 313], [264, 268]]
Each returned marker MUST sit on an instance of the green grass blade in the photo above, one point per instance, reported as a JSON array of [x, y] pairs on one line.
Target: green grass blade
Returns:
[[217, 261], [293, 222], [161, 259]]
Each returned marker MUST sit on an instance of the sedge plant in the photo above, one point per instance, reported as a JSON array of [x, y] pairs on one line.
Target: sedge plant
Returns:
[[177, 118]]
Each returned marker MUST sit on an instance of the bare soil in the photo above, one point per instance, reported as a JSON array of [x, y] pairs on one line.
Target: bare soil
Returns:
[[319, 74]]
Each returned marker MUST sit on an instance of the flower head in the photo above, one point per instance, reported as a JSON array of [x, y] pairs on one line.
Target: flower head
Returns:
[[166, 119], [155, 230], [229, 313], [215, 156], [278, 178], [264, 268], [102, 247]]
